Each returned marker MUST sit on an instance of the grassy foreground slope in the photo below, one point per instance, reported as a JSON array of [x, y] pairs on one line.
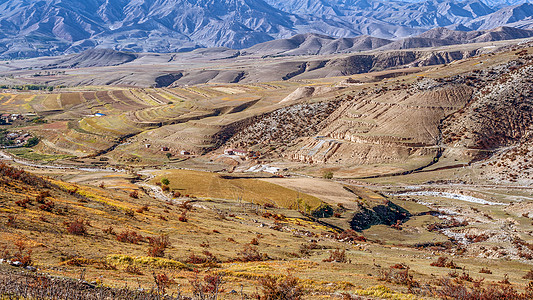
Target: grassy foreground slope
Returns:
[[108, 236]]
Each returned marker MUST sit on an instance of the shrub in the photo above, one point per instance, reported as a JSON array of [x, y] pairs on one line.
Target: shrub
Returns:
[[32, 142], [466, 277], [23, 203], [133, 270], [474, 238], [185, 205], [254, 242], [399, 277], [157, 245], [77, 227], [11, 221], [41, 196], [130, 213], [165, 181], [165, 188], [485, 271], [451, 290], [337, 256], [399, 266], [195, 259], [134, 194], [328, 175], [183, 217], [250, 253], [47, 206], [109, 230], [20, 256], [525, 255], [305, 249], [143, 209], [269, 205], [397, 225], [280, 288], [207, 288], [442, 262], [505, 280], [128, 236], [162, 281], [351, 235]]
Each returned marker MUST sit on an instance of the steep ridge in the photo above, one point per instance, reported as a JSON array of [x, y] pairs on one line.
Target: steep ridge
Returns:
[[314, 44], [443, 37]]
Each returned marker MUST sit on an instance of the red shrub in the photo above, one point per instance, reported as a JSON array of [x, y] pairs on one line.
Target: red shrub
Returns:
[[23, 203], [288, 287], [442, 262], [351, 235], [337, 256], [77, 227], [47, 206], [250, 253], [157, 245], [20, 256], [129, 237], [183, 217]]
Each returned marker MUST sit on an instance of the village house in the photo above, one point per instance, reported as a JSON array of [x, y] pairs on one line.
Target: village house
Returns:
[[236, 152], [8, 118]]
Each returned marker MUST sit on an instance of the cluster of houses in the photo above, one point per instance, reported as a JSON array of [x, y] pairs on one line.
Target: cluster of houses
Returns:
[[242, 153], [18, 138], [9, 118], [167, 149]]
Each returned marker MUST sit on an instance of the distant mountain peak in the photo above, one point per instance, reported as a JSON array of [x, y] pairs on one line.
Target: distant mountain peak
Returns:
[[52, 27]]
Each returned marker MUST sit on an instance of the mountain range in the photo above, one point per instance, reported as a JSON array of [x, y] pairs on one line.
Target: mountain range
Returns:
[[53, 27]]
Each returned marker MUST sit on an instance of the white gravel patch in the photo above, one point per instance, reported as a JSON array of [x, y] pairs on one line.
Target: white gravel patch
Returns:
[[451, 196]]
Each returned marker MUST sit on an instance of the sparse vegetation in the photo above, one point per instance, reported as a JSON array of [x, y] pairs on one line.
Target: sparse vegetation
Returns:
[[283, 287], [77, 227], [404, 153], [157, 245]]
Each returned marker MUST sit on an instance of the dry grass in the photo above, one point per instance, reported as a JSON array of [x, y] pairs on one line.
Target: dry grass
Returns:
[[210, 185]]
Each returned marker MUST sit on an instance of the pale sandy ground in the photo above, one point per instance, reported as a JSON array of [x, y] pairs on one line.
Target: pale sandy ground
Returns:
[[323, 189]]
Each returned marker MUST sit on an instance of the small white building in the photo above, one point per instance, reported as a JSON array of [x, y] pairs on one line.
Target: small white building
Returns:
[[236, 152]]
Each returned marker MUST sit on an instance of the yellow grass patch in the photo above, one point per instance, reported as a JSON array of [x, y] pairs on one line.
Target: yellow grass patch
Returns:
[[93, 195], [204, 184], [383, 292], [124, 260]]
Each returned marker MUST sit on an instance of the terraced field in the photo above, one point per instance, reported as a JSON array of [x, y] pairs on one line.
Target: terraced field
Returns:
[[128, 112]]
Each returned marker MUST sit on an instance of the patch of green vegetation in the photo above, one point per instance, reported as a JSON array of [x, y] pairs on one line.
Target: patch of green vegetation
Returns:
[[4, 141], [32, 155], [28, 87], [32, 142]]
